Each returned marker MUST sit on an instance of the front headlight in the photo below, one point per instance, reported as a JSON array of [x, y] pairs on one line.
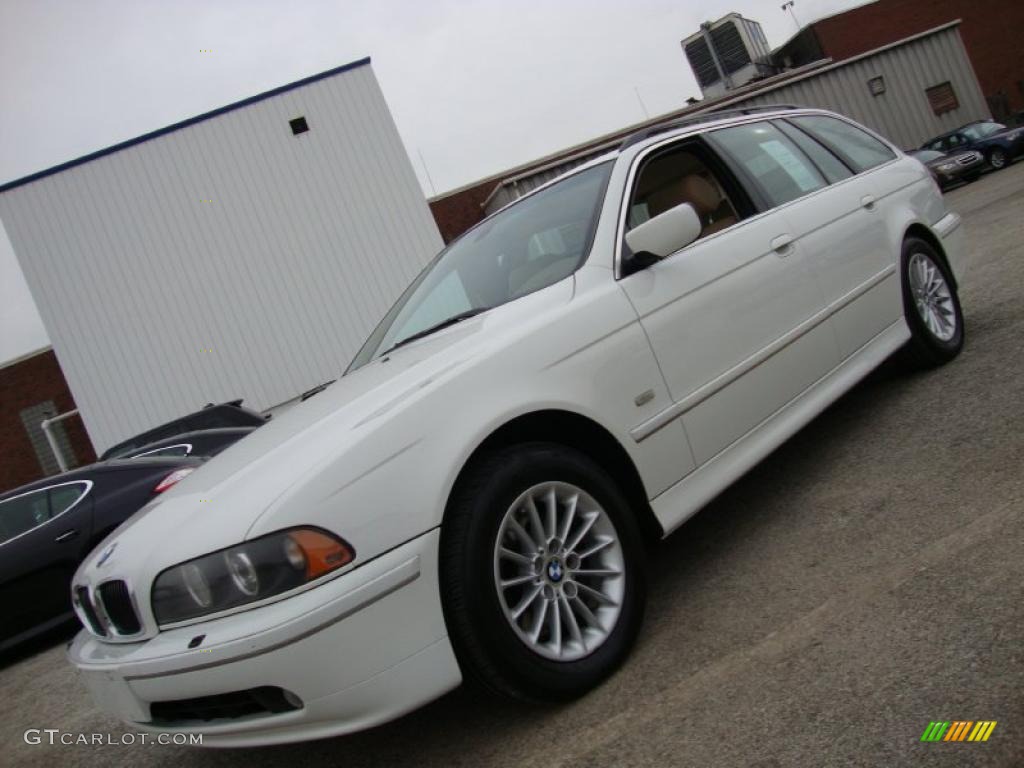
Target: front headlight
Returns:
[[247, 573], [944, 167]]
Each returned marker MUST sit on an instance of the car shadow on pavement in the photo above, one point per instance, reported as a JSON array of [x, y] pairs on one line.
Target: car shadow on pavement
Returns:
[[59, 635]]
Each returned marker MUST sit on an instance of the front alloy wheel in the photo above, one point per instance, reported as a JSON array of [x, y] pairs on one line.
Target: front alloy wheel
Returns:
[[542, 572], [559, 571], [997, 159]]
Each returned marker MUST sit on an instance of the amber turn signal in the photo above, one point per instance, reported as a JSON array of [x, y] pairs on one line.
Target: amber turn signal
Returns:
[[323, 553]]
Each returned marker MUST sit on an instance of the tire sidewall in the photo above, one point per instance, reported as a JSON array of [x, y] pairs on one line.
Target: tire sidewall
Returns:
[[530, 673], [937, 349], [997, 152]]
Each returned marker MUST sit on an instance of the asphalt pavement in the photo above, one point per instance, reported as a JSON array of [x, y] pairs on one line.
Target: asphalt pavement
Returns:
[[864, 580]]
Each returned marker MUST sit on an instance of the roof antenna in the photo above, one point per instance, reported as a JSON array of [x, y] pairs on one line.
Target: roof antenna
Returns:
[[433, 192], [643, 106]]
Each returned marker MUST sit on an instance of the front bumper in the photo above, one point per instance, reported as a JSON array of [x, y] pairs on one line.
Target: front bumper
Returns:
[[357, 651], [960, 173]]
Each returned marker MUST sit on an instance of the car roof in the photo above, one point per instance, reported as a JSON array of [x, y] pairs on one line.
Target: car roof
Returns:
[[672, 128], [694, 122], [129, 443], [90, 471], [184, 437]]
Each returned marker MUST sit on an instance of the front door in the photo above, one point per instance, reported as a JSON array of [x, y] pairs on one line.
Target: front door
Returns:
[[730, 316]]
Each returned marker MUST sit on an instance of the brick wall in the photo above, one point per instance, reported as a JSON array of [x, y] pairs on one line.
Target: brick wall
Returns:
[[24, 384], [991, 31], [460, 210]]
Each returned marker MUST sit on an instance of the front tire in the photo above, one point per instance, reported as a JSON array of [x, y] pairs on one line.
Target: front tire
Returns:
[[930, 304], [997, 158], [542, 573]]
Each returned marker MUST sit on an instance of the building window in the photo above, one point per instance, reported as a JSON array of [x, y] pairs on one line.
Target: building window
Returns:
[[876, 85], [298, 125], [942, 98]]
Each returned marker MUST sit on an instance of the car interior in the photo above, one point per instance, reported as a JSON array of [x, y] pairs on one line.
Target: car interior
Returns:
[[22, 514], [681, 177]]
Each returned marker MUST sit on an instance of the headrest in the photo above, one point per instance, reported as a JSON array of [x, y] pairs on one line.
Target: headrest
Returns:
[[693, 189]]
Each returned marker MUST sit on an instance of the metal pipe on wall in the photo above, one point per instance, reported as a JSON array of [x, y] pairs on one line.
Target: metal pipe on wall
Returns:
[[52, 439]]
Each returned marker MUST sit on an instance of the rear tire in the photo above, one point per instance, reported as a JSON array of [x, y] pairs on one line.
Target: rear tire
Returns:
[[930, 304], [582, 619]]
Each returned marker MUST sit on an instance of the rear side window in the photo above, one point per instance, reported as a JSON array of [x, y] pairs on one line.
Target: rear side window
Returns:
[[981, 130], [774, 162], [827, 163], [30, 510], [64, 496], [858, 149]]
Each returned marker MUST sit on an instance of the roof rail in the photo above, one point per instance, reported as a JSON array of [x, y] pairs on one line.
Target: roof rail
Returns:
[[703, 117]]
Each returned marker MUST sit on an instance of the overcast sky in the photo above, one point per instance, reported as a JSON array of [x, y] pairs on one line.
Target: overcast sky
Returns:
[[475, 87]]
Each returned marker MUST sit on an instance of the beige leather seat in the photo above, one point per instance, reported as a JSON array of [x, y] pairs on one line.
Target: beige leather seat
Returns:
[[702, 195]]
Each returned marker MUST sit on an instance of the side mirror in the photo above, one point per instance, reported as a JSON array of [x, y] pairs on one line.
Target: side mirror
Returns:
[[663, 235]]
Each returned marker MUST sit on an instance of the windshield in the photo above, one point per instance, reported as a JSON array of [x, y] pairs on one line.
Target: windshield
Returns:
[[981, 130], [527, 246]]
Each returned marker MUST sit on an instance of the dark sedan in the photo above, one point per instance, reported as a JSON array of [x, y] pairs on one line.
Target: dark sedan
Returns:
[[49, 526], [998, 144], [950, 169], [203, 443]]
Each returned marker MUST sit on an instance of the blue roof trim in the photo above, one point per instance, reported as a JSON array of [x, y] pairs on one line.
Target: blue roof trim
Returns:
[[183, 124]]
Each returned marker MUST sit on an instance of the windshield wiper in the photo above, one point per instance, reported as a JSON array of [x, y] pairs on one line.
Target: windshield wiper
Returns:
[[436, 327]]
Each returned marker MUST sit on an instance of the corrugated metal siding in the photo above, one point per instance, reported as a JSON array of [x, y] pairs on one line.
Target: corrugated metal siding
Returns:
[[902, 113], [157, 302]]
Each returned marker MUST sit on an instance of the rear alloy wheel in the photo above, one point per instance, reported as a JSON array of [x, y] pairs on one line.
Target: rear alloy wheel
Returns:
[[931, 305], [997, 158], [542, 573]]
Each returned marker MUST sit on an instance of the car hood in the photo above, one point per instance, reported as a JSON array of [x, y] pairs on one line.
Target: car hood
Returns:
[[218, 504]]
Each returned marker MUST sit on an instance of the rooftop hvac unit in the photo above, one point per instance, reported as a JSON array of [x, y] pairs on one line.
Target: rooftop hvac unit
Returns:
[[727, 53]]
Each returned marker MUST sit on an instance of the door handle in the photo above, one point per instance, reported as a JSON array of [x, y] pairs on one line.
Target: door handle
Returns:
[[868, 201], [67, 535], [782, 244]]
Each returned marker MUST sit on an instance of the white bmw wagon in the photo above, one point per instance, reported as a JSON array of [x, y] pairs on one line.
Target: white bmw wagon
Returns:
[[581, 371]]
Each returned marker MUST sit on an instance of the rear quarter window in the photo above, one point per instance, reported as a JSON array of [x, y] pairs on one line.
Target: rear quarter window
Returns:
[[858, 148], [774, 163]]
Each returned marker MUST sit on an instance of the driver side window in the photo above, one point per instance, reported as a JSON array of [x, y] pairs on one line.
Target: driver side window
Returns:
[[681, 176]]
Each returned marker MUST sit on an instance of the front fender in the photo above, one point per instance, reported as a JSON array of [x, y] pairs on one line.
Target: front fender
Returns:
[[588, 357]]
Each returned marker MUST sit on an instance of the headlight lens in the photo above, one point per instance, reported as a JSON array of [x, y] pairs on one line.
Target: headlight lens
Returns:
[[249, 572], [947, 166]]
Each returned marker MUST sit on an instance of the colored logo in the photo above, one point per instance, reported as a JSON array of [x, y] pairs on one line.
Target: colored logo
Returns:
[[959, 730], [555, 570]]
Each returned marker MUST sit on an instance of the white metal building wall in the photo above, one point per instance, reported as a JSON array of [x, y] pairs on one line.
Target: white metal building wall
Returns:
[[227, 258]]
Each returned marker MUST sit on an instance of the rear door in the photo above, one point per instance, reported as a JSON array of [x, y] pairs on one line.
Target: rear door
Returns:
[[842, 228], [726, 315]]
